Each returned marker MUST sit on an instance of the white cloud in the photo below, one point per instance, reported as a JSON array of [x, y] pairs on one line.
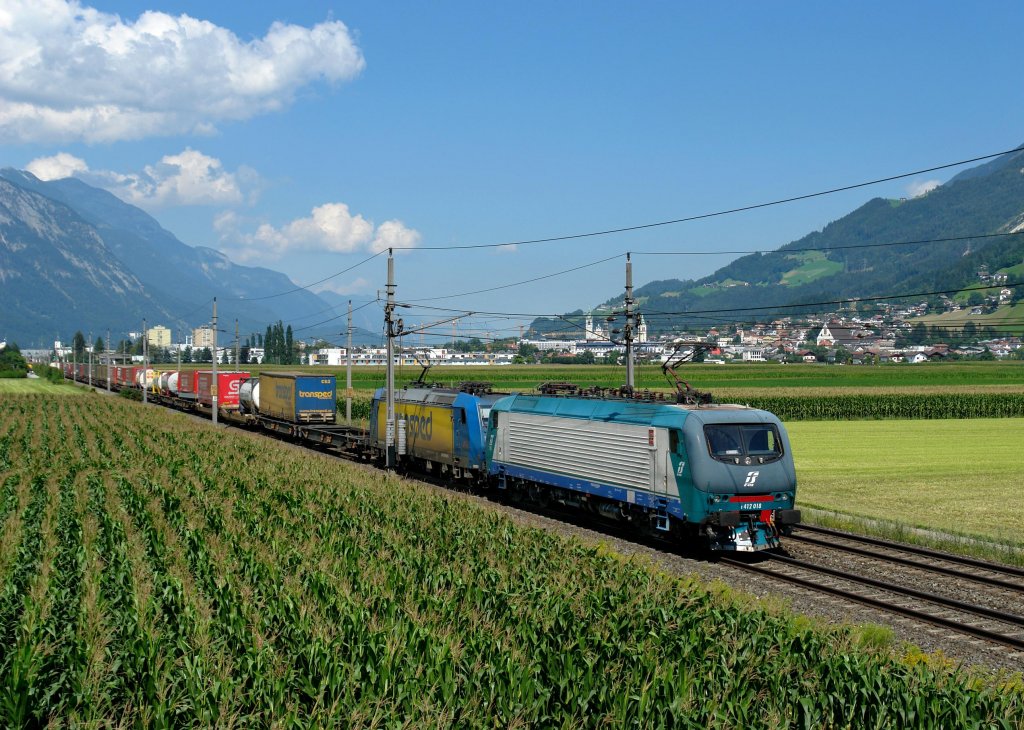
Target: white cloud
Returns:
[[187, 178], [394, 234], [917, 189], [330, 228], [71, 72], [57, 167]]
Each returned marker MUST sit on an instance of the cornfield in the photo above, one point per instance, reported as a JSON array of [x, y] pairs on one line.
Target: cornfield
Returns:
[[838, 406], [158, 572], [892, 406]]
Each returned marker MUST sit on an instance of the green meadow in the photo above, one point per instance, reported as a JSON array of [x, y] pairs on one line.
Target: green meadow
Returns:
[[956, 476]]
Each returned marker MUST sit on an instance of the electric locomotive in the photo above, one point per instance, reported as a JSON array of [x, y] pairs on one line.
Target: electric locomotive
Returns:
[[721, 473], [442, 431]]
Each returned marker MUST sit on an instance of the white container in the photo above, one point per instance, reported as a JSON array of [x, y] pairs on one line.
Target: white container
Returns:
[[249, 395], [163, 381]]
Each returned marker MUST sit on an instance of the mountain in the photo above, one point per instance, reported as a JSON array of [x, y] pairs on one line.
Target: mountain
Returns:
[[984, 200], [160, 278], [55, 267]]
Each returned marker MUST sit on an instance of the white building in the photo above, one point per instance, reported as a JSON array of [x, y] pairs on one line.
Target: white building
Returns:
[[592, 333], [558, 345], [329, 356]]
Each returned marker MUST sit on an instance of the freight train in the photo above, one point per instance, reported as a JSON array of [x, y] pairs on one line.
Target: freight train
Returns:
[[717, 475]]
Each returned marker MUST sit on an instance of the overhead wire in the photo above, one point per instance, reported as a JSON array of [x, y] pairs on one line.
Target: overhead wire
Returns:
[[718, 213], [951, 239], [518, 283], [625, 229], [307, 286], [648, 312]]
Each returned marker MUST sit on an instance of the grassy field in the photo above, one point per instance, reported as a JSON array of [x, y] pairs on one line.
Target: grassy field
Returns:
[[171, 575], [728, 380], [954, 476], [1005, 320], [23, 386]]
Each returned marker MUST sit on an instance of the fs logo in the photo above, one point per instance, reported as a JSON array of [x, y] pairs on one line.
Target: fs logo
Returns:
[[751, 478]]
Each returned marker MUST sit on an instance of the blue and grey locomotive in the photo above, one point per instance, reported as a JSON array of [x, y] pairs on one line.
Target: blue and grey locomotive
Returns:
[[720, 472]]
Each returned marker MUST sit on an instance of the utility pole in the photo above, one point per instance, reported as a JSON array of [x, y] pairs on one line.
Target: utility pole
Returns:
[[213, 377], [629, 324], [89, 344], [108, 360], [145, 362], [348, 368], [179, 357], [237, 366], [389, 325]]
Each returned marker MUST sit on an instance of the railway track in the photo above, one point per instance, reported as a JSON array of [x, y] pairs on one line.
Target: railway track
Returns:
[[903, 566]]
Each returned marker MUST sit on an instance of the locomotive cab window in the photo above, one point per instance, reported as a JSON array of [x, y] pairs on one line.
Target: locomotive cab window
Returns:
[[743, 443]]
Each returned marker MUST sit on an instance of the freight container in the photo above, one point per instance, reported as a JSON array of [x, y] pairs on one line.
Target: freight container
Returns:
[[249, 396], [298, 397], [127, 374], [164, 382], [144, 377], [188, 384], [227, 388]]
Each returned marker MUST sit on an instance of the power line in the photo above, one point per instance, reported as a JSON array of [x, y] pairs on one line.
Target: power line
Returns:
[[343, 314], [829, 248], [704, 253], [729, 211], [643, 226], [307, 286], [648, 313], [833, 302], [518, 283]]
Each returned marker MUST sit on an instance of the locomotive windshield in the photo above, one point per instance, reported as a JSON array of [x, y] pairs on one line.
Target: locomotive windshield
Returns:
[[740, 443]]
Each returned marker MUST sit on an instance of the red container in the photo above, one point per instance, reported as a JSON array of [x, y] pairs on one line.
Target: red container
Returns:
[[227, 388], [125, 375], [188, 384]]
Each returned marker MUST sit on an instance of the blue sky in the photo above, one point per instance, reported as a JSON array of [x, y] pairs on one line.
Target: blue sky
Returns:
[[305, 136]]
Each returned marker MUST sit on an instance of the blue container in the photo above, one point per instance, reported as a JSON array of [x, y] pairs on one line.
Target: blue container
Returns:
[[298, 397]]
